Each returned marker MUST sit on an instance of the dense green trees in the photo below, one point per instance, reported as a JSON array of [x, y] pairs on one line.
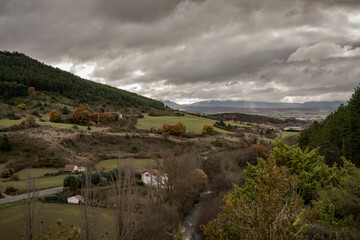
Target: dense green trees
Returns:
[[18, 72], [338, 135], [292, 195]]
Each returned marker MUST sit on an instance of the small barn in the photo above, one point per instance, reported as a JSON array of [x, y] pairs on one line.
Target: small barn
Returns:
[[77, 199]]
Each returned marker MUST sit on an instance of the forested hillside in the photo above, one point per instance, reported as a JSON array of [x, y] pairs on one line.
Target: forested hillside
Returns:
[[18, 72], [339, 134]]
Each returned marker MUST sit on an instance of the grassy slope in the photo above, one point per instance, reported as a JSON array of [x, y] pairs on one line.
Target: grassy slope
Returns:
[[8, 123], [12, 219], [35, 172], [138, 163], [192, 123], [286, 134]]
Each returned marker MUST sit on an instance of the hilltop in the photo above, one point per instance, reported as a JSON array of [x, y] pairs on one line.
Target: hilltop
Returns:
[[18, 72]]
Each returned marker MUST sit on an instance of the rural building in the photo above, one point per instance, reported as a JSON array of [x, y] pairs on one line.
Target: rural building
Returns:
[[153, 177], [292, 129], [70, 168], [81, 169], [75, 199]]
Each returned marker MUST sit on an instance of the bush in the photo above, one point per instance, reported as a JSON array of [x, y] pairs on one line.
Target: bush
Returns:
[[127, 136], [65, 110], [5, 144], [173, 129], [21, 107], [10, 190], [208, 130], [54, 116], [36, 113], [6, 173], [30, 121]]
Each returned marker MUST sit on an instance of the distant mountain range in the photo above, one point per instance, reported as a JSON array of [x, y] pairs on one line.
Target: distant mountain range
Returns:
[[214, 106]]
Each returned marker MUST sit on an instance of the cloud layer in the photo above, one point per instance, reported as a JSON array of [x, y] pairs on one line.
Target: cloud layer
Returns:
[[187, 50]]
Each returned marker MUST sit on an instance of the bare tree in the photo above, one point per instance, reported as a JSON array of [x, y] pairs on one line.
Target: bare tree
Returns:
[[90, 214], [30, 209], [124, 201]]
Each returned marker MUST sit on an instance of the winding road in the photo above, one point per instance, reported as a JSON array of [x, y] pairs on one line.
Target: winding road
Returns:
[[37, 193]]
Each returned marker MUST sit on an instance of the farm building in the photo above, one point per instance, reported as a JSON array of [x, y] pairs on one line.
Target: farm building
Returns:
[[75, 199], [70, 168], [153, 177], [81, 169]]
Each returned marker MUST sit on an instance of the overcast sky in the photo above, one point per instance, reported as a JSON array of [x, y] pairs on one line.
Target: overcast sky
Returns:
[[185, 51]]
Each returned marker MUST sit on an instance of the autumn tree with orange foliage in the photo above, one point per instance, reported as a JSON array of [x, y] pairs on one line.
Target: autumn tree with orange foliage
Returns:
[[31, 90], [173, 129], [208, 130], [54, 116], [261, 151], [80, 116], [21, 107], [104, 118]]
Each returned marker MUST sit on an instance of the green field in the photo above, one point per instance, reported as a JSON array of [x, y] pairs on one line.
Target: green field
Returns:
[[12, 219], [286, 134], [40, 183], [35, 172], [138, 163], [192, 123], [8, 123]]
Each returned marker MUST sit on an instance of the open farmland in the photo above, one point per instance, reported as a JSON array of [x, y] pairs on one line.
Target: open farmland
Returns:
[[12, 218], [192, 123], [138, 163], [40, 183]]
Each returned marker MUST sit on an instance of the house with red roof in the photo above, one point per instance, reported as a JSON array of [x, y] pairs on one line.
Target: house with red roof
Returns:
[[77, 199], [70, 168], [154, 177]]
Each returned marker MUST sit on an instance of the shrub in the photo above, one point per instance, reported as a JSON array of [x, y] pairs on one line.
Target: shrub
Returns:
[[31, 90], [65, 110], [10, 190], [21, 107], [208, 130], [54, 116], [5, 144], [30, 121], [6, 173], [36, 113], [173, 129], [127, 136]]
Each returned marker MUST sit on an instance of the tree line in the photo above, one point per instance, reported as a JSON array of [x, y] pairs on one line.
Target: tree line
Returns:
[[338, 135]]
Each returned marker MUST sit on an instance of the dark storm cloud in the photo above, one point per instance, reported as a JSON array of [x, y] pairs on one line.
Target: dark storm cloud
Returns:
[[200, 49]]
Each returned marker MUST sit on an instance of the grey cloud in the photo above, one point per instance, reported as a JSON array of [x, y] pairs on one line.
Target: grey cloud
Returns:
[[234, 49]]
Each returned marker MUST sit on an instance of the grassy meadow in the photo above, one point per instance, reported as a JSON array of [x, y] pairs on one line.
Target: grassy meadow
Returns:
[[12, 219], [138, 163], [282, 135], [192, 123], [40, 183], [8, 123], [35, 172]]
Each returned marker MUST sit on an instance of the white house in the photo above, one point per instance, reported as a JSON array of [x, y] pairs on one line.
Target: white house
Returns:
[[154, 177], [70, 168], [81, 169], [75, 199]]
